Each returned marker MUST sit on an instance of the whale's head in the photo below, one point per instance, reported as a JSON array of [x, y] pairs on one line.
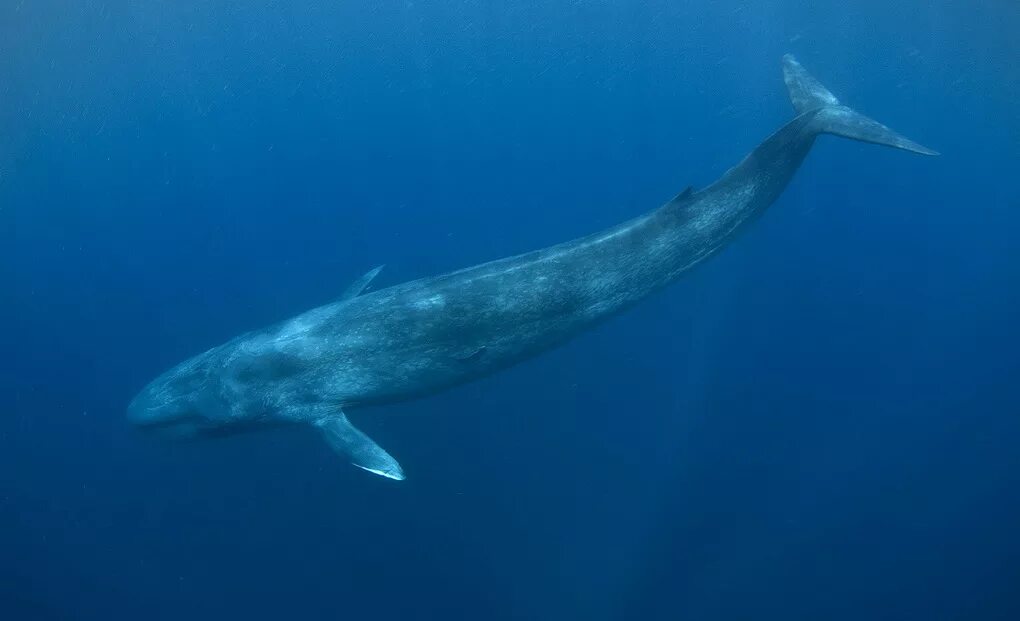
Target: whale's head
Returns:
[[186, 401]]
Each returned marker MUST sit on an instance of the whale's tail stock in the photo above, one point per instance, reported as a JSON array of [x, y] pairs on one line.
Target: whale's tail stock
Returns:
[[832, 117]]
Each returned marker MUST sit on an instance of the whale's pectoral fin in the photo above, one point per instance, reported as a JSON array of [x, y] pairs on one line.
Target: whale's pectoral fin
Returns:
[[356, 287], [363, 452]]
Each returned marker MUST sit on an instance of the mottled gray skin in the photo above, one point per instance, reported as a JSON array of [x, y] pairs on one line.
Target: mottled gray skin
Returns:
[[423, 336]]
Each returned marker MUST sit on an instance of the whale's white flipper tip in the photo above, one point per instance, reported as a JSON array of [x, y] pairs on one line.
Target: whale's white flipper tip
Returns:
[[397, 475]]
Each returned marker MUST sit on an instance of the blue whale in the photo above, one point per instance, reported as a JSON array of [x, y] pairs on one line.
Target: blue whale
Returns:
[[423, 336]]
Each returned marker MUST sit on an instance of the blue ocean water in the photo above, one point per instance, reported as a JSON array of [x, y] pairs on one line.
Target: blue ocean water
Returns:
[[820, 423]]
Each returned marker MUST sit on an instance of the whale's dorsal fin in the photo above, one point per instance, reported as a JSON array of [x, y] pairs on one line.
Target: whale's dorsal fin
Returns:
[[348, 441], [680, 201], [683, 196], [356, 287]]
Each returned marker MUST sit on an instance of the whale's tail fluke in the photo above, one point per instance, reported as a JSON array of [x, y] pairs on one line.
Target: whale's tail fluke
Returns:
[[832, 117]]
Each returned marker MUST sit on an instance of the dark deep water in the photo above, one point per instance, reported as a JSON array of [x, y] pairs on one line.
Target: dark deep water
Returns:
[[822, 422]]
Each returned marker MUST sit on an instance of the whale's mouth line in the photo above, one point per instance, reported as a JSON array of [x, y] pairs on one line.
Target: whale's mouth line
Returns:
[[187, 424], [156, 423]]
